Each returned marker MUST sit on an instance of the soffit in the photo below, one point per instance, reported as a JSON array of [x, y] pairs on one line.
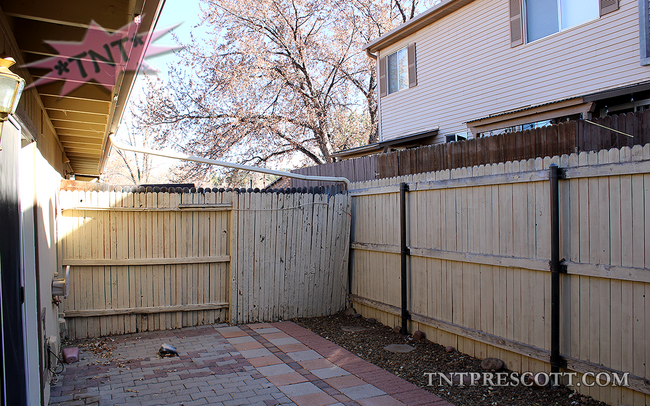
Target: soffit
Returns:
[[84, 117]]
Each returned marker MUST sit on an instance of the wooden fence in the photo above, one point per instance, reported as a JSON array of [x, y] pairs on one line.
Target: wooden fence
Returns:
[[290, 255], [565, 138], [478, 269], [144, 260]]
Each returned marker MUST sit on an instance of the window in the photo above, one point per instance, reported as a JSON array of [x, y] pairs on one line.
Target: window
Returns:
[[540, 18], [397, 71], [455, 137], [544, 17], [644, 31]]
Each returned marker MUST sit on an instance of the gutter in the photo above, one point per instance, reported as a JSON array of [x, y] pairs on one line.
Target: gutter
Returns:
[[126, 82], [184, 157]]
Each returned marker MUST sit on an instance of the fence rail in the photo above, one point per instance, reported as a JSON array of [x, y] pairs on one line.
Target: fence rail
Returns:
[[565, 138], [479, 275]]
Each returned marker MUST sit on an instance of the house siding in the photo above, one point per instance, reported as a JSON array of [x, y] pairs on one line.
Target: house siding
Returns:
[[467, 69]]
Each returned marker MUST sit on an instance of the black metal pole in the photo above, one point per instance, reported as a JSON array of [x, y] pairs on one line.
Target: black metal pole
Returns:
[[555, 270], [404, 251]]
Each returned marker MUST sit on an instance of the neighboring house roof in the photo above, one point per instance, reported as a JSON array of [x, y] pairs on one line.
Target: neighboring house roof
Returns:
[[281, 182], [407, 141], [421, 20]]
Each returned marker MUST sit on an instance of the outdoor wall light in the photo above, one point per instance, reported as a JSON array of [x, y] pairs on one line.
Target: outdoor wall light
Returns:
[[11, 87]]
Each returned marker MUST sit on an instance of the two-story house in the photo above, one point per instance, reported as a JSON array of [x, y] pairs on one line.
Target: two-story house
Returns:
[[471, 68]]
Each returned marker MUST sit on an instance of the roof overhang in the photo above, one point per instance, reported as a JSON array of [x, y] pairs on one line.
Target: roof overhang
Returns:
[[529, 114], [413, 140], [83, 118], [415, 24]]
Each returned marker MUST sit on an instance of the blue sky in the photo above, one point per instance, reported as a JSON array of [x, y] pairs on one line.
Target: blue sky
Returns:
[[188, 14]]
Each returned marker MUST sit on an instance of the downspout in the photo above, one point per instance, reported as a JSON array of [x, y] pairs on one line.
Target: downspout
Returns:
[[184, 157]]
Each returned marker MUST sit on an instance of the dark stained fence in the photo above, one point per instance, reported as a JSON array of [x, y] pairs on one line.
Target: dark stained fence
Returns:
[[564, 138]]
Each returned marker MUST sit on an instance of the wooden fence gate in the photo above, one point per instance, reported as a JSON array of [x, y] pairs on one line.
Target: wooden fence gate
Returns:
[[144, 261], [155, 260]]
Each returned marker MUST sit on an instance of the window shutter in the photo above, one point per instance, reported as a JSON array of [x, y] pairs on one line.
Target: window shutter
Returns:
[[383, 83], [516, 23], [413, 72], [607, 6]]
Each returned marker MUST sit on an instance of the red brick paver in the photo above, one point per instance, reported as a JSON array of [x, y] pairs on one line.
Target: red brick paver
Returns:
[[262, 364]]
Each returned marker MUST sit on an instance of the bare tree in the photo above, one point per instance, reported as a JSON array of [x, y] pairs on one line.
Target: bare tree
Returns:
[[128, 167], [277, 77]]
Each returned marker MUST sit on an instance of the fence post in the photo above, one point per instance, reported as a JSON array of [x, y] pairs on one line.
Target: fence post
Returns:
[[404, 252], [556, 359]]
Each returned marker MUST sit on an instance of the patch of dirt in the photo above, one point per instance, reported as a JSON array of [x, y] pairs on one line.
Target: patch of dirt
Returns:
[[430, 357]]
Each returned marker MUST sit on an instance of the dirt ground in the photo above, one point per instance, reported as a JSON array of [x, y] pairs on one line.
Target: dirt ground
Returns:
[[430, 357]]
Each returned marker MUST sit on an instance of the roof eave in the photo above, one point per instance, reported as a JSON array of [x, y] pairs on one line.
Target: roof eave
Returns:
[[415, 24]]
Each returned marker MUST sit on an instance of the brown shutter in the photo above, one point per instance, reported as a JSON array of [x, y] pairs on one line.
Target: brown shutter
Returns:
[[383, 84], [607, 6], [413, 72], [516, 23]]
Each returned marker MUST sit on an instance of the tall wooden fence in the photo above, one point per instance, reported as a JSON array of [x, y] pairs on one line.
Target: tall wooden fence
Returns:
[[565, 138], [144, 260], [290, 255], [478, 270]]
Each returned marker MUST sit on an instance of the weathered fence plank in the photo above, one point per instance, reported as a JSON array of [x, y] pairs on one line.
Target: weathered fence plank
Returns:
[[479, 241]]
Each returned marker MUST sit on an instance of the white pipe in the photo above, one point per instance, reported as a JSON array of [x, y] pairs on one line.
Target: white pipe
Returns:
[[184, 157]]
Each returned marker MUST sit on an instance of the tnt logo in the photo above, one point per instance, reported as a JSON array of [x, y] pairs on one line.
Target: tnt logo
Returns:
[[101, 56]]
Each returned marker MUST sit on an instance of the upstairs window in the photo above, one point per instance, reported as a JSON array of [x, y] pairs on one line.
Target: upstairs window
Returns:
[[546, 17], [531, 20], [397, 71], [644, 31]]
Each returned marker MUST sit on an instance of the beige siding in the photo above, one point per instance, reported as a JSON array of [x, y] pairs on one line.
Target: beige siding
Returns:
[[467, 69]]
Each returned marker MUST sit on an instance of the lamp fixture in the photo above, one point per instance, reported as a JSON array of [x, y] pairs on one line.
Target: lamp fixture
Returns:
[[11, 87]]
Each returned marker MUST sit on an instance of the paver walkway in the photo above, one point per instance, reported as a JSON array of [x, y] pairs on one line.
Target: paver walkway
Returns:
[[261, 364]]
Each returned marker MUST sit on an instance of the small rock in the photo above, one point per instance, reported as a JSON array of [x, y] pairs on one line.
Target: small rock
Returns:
[[418, 335], [449, 348], [371, 320], [492, 364], [350, 311], [397, 329], [70, 354], [352, 329], [399, 348], [167, 350], [539, 380], [356, 316]]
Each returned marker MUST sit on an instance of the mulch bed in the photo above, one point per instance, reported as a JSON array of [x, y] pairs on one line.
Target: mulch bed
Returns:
[[430, 357]]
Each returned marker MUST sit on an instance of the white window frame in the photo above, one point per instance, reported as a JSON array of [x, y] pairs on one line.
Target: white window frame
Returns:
[[405, 72], [559, 22]]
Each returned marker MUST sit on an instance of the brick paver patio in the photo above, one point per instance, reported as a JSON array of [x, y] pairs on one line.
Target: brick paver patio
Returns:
[[257, 364]]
